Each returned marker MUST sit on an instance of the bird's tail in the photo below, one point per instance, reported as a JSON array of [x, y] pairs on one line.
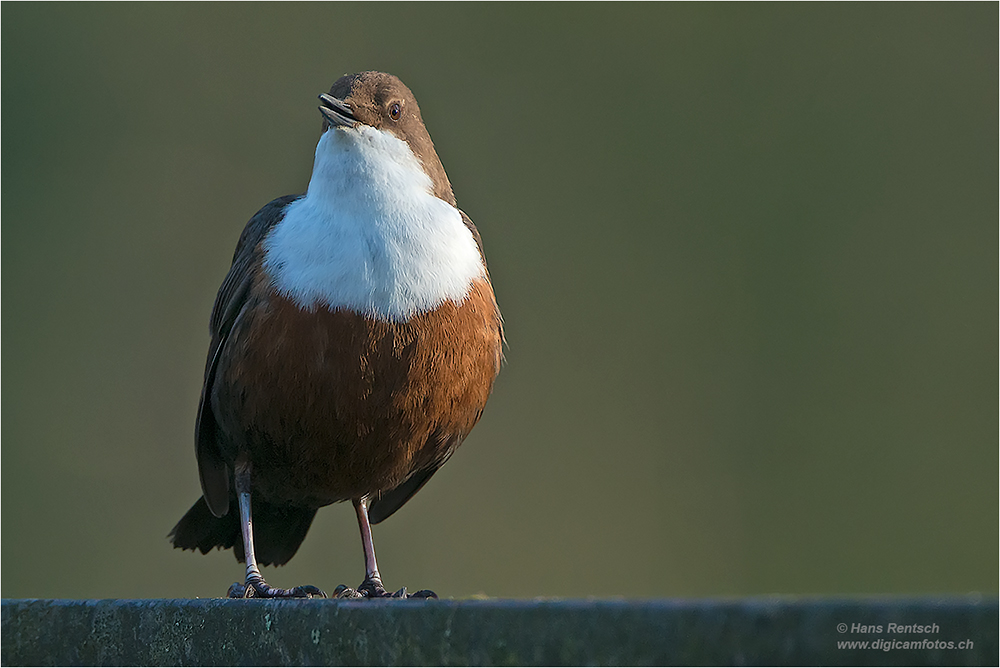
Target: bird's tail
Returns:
[[277, 531]]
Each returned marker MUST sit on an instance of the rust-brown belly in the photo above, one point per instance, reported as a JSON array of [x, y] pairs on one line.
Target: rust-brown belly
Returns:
[[332, 405]]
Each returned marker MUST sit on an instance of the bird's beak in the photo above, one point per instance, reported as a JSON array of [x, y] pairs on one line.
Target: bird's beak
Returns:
[[337, 112]]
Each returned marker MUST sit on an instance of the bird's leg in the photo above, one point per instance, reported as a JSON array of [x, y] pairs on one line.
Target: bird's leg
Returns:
[[255, 586], [372, 586]]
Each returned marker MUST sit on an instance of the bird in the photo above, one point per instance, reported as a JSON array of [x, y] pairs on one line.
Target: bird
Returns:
[[355, 341]]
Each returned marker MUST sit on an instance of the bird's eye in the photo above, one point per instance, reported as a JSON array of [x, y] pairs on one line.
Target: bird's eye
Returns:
[[394, 111]]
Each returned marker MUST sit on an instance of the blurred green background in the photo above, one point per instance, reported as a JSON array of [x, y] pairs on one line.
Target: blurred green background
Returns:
[[747, 256]]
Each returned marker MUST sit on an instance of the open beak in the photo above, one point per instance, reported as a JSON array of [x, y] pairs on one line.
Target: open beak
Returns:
[[337, 112]]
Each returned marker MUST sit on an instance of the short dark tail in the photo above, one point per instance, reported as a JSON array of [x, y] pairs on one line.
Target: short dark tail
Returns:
[[277, 531]]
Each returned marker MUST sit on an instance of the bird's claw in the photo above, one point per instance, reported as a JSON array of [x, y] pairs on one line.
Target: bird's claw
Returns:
[[255, 587], [423, 593], [373, 588]]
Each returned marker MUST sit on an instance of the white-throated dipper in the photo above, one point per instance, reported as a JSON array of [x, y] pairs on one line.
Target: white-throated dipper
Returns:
[[355, 341]]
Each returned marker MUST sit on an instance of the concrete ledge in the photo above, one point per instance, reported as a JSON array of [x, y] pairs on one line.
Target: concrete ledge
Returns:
[[497, 632]]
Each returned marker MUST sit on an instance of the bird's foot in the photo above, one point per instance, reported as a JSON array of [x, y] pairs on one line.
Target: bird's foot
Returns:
[[373, 588], [255, 587]]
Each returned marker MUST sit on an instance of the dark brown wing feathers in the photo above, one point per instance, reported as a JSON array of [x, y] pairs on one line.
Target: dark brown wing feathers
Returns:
[[212, 468]]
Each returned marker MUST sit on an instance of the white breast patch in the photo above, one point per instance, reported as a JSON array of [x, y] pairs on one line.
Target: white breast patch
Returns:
[[369, 236]]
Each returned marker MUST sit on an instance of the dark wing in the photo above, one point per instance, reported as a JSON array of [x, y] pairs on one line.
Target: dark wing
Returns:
[[479, 242], [386, 503], [212, 468], [475, 233]]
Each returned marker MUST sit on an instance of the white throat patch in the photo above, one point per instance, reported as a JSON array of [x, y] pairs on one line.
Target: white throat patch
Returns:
[[369, 236]]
